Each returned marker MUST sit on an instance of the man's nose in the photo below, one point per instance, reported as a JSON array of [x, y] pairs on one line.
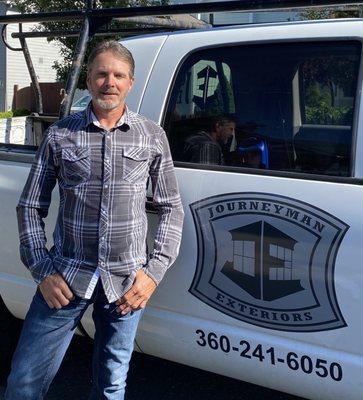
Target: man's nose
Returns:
[[110, 80]]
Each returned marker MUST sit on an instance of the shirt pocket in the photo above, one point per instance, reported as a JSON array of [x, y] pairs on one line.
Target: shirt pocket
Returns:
[[76, 165], [135, 164]]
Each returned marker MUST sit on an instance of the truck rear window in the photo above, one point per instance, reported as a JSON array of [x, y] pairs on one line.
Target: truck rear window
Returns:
[[282, 106]]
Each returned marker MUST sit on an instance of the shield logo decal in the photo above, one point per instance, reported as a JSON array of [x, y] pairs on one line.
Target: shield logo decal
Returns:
[[268, 260]]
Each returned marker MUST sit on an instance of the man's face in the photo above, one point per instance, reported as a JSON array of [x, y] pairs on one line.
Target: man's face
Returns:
[[225, 131], [109, 81]]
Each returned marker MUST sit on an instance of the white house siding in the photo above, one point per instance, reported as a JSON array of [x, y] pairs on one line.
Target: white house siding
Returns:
[[252, 18], [43, 55], [235, 17], [2, 65]]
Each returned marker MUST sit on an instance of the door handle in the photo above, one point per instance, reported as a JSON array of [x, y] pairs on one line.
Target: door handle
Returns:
[[149, 205]]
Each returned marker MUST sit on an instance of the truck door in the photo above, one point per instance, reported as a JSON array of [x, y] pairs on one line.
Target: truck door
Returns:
[[267, 287]]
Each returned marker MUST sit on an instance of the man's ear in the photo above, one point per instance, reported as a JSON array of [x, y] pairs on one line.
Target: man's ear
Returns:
[[87, 81], [217, 126], [132, 83]]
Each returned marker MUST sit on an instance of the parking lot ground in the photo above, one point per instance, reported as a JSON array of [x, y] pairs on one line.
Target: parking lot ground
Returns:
[[150, 378]]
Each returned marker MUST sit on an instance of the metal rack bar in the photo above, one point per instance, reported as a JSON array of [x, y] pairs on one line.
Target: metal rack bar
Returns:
[[78, 58], [75, 33], [33, 75], [193, 8]]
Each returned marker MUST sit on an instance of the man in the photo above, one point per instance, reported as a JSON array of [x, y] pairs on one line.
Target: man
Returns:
[[102, 159], [207, 147]]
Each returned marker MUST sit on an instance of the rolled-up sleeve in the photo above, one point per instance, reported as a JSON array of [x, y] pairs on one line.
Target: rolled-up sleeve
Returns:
[[166, 199], [33, 208]]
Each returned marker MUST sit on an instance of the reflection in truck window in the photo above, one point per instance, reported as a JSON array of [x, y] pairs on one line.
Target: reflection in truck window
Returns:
[[207, 146], [205, 90], [328, 90], [292, 105]]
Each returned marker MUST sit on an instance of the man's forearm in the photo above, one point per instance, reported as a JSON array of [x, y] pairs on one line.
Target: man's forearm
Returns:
[[167, 238], [166, 199], [33, 251], [32, 208]]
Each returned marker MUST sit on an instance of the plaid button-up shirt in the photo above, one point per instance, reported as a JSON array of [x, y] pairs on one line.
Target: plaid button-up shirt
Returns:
[[201, 148], [102, 225]]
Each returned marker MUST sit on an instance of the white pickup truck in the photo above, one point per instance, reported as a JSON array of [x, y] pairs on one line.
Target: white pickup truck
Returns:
[[268, 284]]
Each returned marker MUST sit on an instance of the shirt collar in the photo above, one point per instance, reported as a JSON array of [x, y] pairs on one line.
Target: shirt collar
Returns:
[[209, 136], [90, 117]]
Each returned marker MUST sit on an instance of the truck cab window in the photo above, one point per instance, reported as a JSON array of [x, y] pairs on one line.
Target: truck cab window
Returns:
[[284, 107]]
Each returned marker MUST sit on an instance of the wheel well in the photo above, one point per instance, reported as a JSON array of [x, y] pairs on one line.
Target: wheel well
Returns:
[[10, 328]]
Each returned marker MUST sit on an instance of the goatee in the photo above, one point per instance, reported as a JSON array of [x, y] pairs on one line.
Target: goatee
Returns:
[[106, 105]]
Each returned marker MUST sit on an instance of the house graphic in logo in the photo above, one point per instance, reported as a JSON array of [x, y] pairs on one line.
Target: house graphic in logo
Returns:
[[268, 260], [262, 261]]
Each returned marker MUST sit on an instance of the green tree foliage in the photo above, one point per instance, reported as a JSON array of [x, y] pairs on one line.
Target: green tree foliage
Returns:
[[325, 79], [326, 13], [319, 109], [67, 45], [326, 76]]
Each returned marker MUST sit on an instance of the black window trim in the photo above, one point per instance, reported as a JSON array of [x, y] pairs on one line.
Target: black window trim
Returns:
[[275, 174], [293, 175]]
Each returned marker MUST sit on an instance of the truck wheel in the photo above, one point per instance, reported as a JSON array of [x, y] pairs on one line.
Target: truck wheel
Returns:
[[9, 334]]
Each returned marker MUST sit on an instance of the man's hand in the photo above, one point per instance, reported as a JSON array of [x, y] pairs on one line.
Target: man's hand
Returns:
[[137, 297], [55, 291]]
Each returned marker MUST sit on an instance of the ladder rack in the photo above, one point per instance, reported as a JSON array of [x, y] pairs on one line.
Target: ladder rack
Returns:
[[94, 20]]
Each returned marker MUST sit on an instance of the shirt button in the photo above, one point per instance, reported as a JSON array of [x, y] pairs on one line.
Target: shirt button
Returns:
[[102, 264], [106, 186]]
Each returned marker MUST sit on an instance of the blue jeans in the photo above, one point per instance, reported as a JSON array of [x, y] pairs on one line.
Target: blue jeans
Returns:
[[46, 336]]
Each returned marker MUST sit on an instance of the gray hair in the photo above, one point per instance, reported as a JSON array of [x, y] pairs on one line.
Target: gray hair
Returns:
[[117, 49]]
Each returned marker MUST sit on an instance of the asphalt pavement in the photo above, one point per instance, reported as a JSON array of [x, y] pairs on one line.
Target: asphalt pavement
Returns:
[[149, 378]]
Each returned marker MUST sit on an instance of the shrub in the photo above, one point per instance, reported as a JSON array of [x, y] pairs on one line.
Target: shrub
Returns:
[[20, 112], [6, 114]]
